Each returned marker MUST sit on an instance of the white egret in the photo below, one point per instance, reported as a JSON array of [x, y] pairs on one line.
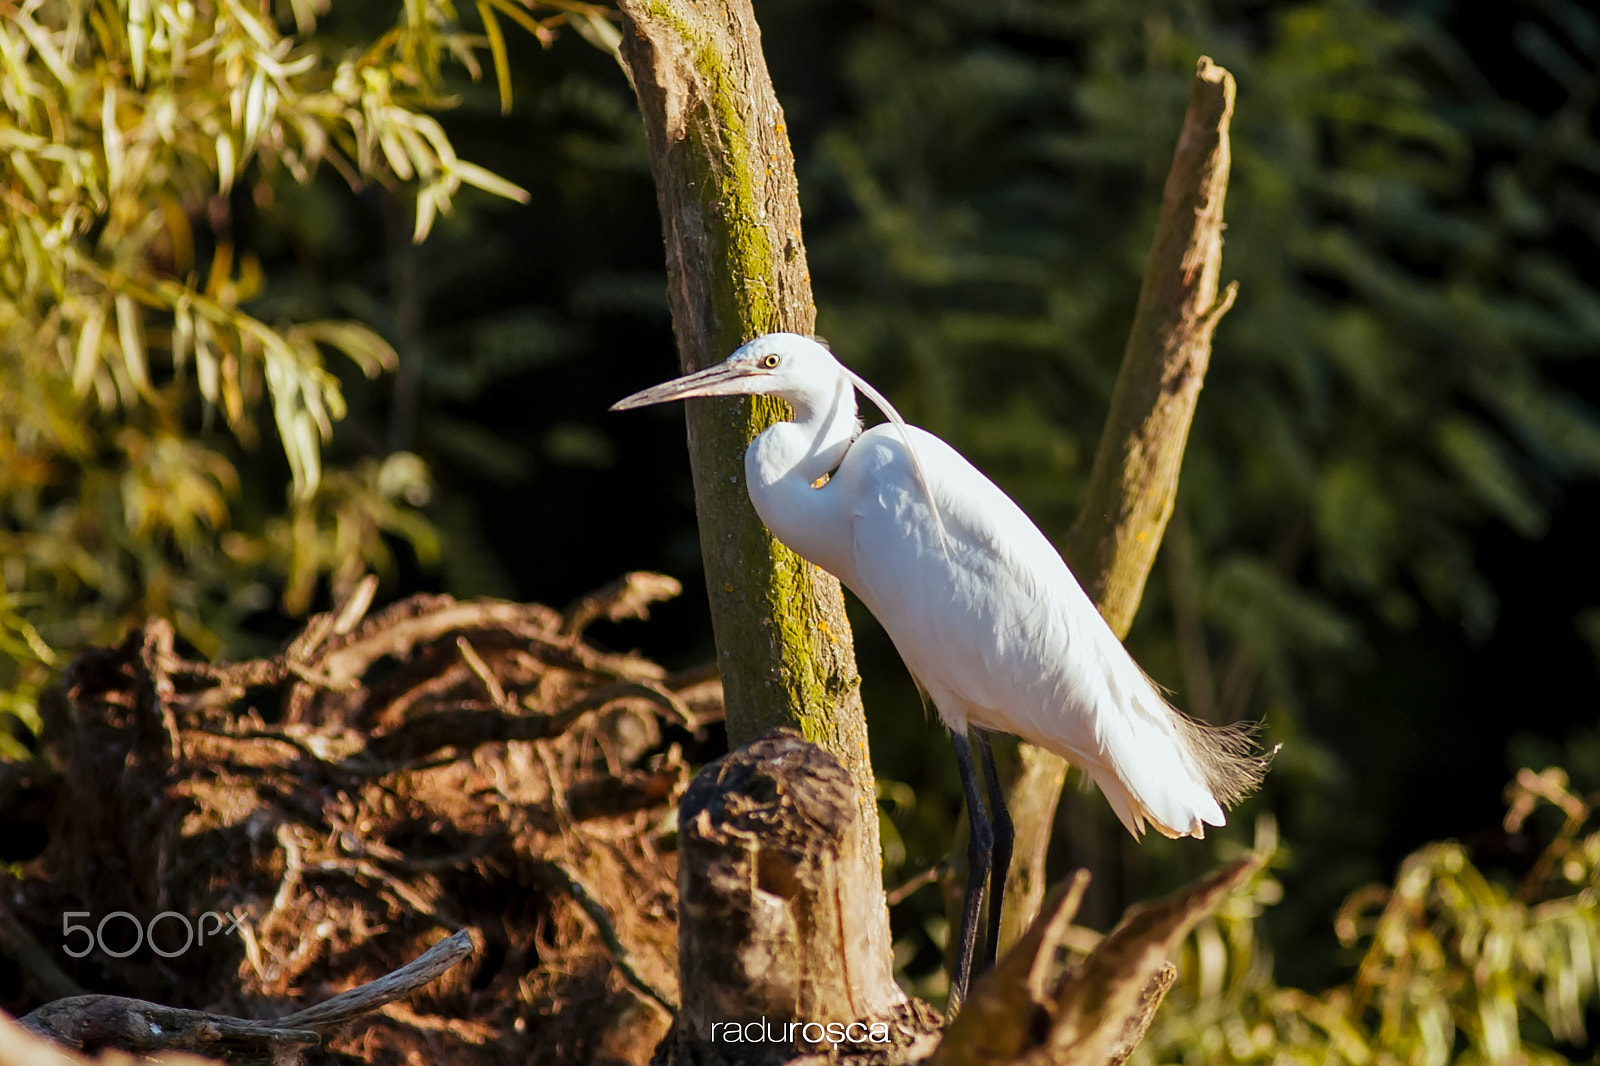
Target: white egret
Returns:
[[989, 620]]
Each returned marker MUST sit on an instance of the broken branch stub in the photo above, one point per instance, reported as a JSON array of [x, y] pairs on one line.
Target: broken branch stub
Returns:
[[1025, 1012], [1134, 480], [1095, 1004], [774, 906]]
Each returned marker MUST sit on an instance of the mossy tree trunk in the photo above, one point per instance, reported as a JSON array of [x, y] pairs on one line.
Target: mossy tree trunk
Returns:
[[736, 265], [1134, 481]]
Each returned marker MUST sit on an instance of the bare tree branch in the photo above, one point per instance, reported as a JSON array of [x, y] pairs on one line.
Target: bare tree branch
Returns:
[[1134, 481], [92, 1023]]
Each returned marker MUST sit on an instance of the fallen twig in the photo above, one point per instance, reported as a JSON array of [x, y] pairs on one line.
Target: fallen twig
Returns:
[[630, 596], [559, 877], [91, 1023]]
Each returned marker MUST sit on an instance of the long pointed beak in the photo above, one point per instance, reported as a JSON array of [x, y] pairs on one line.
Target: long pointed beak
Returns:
[[719, 380]]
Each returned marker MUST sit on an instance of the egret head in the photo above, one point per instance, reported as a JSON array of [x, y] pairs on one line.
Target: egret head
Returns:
[[775, 364], [798, 369]]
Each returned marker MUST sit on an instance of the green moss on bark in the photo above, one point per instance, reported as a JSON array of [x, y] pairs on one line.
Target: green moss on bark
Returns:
[[737, 268]]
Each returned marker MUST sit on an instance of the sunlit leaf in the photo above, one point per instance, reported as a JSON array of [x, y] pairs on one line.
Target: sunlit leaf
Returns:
[[473, 174], [88, 360], [497, 51], [225, 162], [130, 336]]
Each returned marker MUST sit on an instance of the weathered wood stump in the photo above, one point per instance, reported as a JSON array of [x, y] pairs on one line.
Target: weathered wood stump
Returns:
[[775, 907]]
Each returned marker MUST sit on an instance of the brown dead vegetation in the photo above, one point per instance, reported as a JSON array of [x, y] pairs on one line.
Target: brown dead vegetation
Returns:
[[379, 784]]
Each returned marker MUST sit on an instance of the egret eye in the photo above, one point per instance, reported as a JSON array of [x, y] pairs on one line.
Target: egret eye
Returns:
[[771, 362]]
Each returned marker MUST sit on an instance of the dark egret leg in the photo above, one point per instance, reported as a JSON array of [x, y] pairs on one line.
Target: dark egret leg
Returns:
[[980, 844], [1000, 854]]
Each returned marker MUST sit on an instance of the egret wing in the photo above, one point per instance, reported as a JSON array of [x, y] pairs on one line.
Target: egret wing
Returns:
[[988, 614], [993, 625]]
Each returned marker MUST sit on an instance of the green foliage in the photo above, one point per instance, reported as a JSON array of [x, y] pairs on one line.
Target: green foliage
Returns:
[[136, 141], [1456, 964]]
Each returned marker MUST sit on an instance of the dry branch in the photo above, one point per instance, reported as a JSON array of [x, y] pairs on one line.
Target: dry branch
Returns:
[[1134, 481], [93, 1023], [630, 596], [1028, 1011]]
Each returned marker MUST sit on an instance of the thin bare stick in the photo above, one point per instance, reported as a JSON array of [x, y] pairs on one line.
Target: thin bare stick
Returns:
[[332, 1013], [563, 879]]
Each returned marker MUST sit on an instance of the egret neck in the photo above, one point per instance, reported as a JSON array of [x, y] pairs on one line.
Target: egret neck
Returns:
[[786, 461]]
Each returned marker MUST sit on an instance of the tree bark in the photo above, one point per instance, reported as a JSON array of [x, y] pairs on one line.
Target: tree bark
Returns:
[[736, 266], [1134, 480], [776, 906]]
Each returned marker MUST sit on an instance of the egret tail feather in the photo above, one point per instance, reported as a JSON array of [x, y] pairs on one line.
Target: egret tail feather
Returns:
[[1158, 766], [1229, 757]]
